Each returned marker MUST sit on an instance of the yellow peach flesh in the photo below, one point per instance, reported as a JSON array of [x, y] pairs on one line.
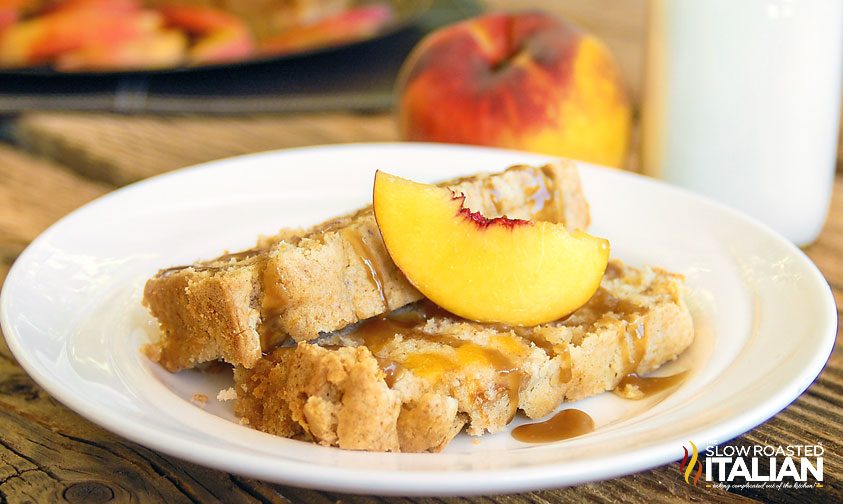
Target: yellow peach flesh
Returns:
[[500, 270]]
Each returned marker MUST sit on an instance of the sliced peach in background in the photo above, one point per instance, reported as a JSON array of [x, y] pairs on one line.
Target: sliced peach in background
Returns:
[[222, 46], [37, 40], [352, 24], [503, 270], [8, 17], [162, 49], [12, 10], [119, 34], [94, 5], [219, 36], [199, 20]]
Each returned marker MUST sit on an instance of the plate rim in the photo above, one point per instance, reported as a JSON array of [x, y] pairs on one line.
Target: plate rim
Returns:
[[416, 482]]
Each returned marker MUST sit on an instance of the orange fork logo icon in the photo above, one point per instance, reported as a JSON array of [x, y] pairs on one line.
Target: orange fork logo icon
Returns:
[[686, 467]]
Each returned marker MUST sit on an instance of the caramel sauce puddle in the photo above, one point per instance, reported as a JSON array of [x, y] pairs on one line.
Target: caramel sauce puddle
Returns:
[[566, 424]]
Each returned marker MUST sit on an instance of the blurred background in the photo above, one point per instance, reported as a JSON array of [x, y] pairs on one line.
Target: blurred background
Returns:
[[72, 134], [742, 104]]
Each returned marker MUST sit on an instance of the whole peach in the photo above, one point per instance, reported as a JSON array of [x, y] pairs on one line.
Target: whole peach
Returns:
[[519, 80]]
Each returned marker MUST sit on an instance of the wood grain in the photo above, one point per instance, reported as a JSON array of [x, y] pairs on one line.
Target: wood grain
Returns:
[[34, 194], [121, 149], [48, 452]]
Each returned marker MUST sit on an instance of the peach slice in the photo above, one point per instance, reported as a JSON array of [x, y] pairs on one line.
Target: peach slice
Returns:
[[221, 37], [352, 24], [38, 40], [509, 271], [8, 17], [161, 49]]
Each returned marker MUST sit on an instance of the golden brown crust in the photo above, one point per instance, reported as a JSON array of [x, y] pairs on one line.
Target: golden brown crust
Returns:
[[215, 306], [335, 397], [262, 407], [304, 283], [452, 372], [429, 423]]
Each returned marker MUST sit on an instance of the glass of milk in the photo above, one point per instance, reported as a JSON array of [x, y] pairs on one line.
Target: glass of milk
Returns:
[[742, 103]]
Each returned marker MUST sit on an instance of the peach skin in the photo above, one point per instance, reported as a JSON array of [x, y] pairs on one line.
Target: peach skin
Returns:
[[220, 36], [523, 80], [12, 10]]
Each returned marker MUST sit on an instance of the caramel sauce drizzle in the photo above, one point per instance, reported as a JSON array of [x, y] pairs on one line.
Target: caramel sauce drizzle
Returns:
[[377, 332], [270, 333], [603, 302], [633, 341], [275, 294], [552, 350], [566, 424], [634, 346], [365, 255], [566, 373], [273, 303], [648, 385]]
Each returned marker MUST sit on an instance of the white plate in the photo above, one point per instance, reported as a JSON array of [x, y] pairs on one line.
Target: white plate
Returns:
[[765, 320]]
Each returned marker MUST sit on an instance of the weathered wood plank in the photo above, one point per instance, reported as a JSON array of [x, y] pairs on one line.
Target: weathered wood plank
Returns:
[[34, 194], [120, 149], [47, 451]]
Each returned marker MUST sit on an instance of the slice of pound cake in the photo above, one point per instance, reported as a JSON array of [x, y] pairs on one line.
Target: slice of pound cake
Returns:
[[412, 380], [303, 283]]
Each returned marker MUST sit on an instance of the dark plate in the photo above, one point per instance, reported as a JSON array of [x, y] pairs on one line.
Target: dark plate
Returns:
[[407, 12]]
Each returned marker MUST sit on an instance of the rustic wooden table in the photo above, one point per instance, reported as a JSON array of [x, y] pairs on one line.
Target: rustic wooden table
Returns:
[[48, 451], [55, 162]]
